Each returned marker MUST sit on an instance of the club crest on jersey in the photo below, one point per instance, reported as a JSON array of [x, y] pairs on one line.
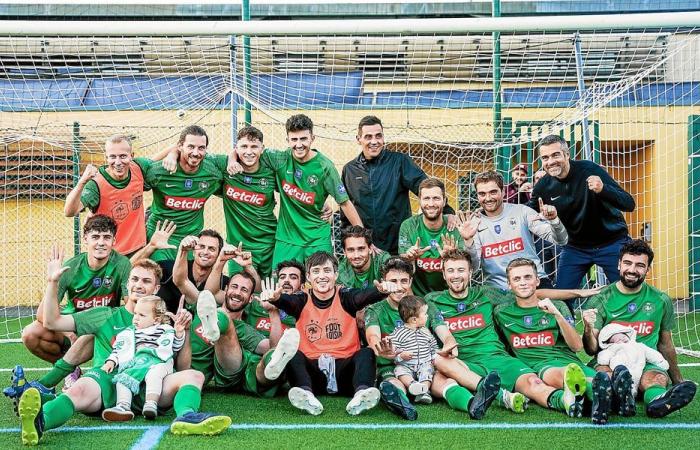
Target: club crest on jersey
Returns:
[[527, 320], [247, 179], [96, 282], [312, 180], [544, 321], [398, 323], [263, 182], [497, 228], [512, 222], [648, 307], [107, 282], [433, 243], [188, 183], [461, 307], [297, 174], [632, 307], [203, 185]]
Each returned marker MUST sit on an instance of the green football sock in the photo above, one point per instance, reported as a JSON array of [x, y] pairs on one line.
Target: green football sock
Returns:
[[59, 371], [58, 411], [458, 397], [589, 389], [556, 400], [188, 399], [652, 393]]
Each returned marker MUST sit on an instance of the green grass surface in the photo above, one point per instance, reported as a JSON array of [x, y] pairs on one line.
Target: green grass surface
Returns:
[[500, 429]]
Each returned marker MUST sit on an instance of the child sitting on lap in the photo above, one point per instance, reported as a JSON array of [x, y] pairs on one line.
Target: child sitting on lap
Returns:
[[416, 348], [143, 352]]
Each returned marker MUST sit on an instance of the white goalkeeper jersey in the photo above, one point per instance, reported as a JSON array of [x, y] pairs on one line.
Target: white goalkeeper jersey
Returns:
[[511, 235]]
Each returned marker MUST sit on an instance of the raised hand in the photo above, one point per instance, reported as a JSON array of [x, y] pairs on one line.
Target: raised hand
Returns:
[[386, 287], [189, 243], [525, 187], [270, 290], [448, 243], [54, 266], [547, 306], [385, 348], [547, 212], [589, 316], [415, 251], [452, 222], [595, 184], [89, 173], [182, 319], [468, 224], [160, 237]]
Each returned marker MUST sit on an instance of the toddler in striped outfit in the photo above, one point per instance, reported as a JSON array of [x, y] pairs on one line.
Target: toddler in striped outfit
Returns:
[[415, 348]]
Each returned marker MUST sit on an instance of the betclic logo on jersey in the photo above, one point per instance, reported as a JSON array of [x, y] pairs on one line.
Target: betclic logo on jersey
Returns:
[[502, 248], [296, 193], [264, 324], [81, 304], [241, 195], [643, 328], [184, 203], [463, 323], [429, 264], [527, 340]]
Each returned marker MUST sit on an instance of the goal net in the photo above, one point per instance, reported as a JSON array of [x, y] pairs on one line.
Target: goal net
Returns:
[[626, 97]]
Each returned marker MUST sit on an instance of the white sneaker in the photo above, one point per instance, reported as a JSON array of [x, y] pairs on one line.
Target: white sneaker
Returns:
[[207, 312], [305, 400], [117, 413], [417, 388], [424, 399], [362, 401], [150, 410], [286, 349]]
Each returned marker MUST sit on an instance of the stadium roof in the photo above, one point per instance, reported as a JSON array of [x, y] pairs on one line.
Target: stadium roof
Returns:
[[298, 9]]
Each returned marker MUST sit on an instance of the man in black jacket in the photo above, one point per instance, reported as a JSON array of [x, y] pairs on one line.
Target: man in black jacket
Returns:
[[589, 203], [378, 182]]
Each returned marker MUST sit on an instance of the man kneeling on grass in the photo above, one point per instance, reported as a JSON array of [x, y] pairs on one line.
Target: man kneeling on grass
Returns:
[[95, 390], [329, 359]]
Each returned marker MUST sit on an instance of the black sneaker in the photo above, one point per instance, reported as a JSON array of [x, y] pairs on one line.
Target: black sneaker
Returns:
[[602, 398], [485, 394], [395, 402], [674, 399], [624, 402], [31, 416]]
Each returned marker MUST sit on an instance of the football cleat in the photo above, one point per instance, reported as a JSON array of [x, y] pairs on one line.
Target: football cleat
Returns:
[[514, 401], [396, 402], [363, 400], [31, 416], [602, 398], [574, 390], [485, 394], [305, 400], [286, 349], [207, 312], [199, 423], [20, 384], [675, 398], [624, 402]]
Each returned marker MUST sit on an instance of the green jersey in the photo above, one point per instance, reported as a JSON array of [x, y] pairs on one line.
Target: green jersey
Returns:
[[470, 320], [386, 316], [257, 317], [249, 208], [349, 278], [85, 288], [105, 323], [203, 349], [649, 311], [428, 277], [90, 197], [532, 334], [303, 189], [180, 197]]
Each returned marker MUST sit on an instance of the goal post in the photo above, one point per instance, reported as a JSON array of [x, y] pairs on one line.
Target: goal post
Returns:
[[625, 87]]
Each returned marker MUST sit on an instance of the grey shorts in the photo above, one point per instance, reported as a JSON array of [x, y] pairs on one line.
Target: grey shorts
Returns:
[[423, 372]]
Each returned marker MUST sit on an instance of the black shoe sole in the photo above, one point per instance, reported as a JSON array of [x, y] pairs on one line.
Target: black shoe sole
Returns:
[[395, 403], [674, 399], [485, 395], [602, 398], [622, 384]]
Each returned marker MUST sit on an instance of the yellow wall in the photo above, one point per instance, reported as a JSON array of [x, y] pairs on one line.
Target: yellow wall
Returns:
[[651, 150]]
